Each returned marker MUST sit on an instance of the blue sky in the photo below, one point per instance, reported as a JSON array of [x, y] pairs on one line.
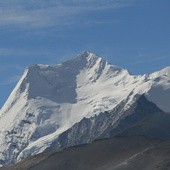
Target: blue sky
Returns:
[[134, 34]]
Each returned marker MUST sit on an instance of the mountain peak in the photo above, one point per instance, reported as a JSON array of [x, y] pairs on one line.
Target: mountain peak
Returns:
[[85, 53], [88, 56]]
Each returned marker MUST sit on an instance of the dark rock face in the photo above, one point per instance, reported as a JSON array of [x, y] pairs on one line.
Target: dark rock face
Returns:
[[105, 124], [152, 126]]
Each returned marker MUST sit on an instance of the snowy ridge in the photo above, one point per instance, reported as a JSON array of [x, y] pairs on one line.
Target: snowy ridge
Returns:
[[48, 100]]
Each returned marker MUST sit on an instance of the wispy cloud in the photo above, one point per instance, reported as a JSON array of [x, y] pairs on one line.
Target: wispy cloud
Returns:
[[43, 13], [15, 52], [10, 80], [10, 67], [147, 60]]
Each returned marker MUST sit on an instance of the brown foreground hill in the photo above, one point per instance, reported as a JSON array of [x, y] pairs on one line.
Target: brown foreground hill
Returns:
[[118, 153]]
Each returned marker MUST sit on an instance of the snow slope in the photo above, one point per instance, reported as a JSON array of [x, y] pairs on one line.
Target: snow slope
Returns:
[[48, 100]]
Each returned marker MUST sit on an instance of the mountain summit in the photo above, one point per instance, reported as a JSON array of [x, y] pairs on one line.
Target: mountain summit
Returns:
[[49, 100]]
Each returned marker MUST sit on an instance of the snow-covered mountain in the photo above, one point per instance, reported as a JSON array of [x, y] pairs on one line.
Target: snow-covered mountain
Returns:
[[50, 100]]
